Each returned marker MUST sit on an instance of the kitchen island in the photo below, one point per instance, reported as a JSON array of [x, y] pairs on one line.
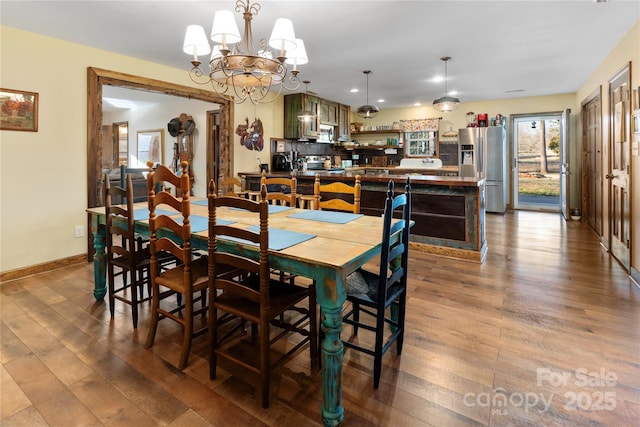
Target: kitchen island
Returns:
[[448, 211]]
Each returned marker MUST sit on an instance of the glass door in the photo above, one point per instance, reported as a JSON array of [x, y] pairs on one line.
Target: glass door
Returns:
[[537, 148]]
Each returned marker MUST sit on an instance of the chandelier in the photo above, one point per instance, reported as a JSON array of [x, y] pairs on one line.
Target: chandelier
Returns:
[[239, 73], [446, 103], [368, 111]]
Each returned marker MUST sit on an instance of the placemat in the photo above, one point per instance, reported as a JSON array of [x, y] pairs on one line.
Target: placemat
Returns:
[[272, 208], [326, 216], [203, 202], [278, 238], [201, 223], [143, 213]]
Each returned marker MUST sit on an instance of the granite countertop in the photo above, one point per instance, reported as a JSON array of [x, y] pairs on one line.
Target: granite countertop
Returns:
[[350, 173]]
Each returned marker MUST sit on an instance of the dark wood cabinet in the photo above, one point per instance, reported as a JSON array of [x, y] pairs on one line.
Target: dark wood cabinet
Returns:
[[344, 115], [293, 105], [328, 113]]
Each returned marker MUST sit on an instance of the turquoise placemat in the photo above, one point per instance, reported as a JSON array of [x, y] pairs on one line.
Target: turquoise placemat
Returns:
[[203, 202], [272, 208], [278, 239], [326, 216], [201, 223], [143, 213]]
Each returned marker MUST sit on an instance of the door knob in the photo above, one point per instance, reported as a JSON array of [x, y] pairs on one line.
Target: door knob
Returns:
[[607, 176]]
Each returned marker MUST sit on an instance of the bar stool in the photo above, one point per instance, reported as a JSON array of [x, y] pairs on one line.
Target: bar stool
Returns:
[[306, 201]]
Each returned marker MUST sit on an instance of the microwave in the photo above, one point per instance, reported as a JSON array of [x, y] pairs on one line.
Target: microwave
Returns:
[[325, 134]]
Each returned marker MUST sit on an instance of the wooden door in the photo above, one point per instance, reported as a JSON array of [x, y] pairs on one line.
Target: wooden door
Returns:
[[619, 137], [592, 162]]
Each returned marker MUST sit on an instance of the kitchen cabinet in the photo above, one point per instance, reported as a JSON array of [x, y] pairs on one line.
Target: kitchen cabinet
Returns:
[[344, 115], [328, 113], [294, 104]]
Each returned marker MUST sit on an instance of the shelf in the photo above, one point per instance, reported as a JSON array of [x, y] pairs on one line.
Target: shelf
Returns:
[[372, 147], [376, 132]]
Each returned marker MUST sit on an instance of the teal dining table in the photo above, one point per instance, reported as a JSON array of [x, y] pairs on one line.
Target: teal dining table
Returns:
[[313, 246]]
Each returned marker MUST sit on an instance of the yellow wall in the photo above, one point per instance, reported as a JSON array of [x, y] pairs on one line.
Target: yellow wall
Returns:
[[43, 191], [507, 107], [628, 50], [43, 174]]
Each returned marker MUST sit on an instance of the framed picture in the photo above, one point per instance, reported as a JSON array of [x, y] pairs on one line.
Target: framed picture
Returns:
[[150, 147], [18, 110]]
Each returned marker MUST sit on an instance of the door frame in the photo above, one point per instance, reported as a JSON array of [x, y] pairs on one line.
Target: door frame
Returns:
[[515, 118]]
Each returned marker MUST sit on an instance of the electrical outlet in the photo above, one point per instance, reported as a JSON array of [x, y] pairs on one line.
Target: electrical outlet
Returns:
[[79, 230]]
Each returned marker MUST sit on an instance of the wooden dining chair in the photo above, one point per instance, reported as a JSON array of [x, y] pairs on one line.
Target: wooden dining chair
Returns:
[[126, 257], [231, 186], [337, 196], [254, 297], [280, 190], [188, 279], [373, 293]]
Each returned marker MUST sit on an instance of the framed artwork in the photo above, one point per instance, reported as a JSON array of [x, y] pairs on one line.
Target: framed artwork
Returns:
[[18, 110], [150, 147]]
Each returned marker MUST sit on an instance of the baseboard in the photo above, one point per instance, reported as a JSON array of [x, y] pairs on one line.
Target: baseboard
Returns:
[[19, 273], [634, 275]]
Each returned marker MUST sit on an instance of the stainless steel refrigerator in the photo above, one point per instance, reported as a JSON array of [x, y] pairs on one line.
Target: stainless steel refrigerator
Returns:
[[483, 153]]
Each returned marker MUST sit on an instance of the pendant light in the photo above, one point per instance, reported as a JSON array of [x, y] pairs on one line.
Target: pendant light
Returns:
[[368, 111], [306, 115], [446, 103]]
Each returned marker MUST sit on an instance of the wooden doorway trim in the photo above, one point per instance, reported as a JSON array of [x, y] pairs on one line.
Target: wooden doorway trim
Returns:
[[96, 78]]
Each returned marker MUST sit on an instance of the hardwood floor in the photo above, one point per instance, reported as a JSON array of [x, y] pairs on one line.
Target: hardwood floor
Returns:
[[545, 332]]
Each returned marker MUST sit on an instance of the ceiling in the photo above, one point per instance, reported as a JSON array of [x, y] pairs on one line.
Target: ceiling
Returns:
[[499, 49]]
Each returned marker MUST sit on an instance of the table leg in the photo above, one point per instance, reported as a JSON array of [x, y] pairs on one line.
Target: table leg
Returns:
[[332, 410], [99, 263]]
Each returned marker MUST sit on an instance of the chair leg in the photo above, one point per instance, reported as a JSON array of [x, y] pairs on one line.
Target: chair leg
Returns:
[[112, 299], [188, 331], [213, 339], [134, 298], [356, 317], [402, 309], [265, 366], [153, 321], [377, 358]]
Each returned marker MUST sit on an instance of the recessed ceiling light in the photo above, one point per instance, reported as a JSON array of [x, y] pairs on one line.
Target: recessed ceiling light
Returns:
[[380, 100], [417, 104], [354, 90]]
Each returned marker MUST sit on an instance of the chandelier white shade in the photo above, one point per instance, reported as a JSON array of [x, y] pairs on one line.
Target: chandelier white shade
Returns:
[[239, 72], [195, 41], [446, 103], [297, 56]]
